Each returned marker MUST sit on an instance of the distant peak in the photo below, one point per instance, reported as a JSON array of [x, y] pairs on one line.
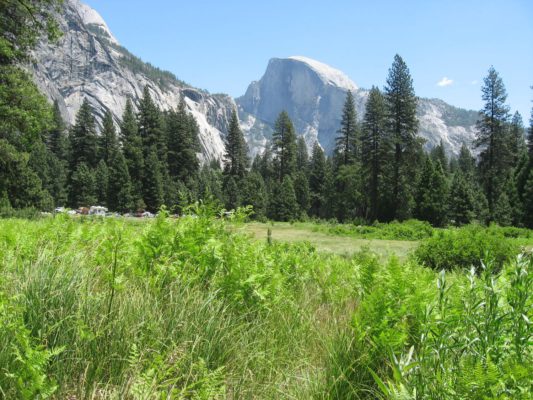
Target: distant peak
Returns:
[[328, 74], [90, 16]]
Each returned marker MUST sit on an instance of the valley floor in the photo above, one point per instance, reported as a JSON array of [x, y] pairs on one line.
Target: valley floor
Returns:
[[339, 244]]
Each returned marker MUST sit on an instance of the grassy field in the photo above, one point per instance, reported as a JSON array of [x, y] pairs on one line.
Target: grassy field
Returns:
[[339, 244], [193, 308]]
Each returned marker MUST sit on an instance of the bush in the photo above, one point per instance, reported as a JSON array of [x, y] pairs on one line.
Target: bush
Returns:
[[465, 247]]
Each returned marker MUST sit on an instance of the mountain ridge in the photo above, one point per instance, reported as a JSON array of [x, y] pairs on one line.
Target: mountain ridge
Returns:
[[89, 62], [315, 105]]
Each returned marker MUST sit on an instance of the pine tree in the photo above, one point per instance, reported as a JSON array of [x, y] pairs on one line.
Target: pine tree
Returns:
[[231, 193], [236, 154], [83, 186], [83, 138], [517, 138], [317, 182], [528, 201], [401, 104], [210, 183], [152, 182], [521, 174], [18, 181], [503, 213], [107, 142], [515, 201], [375, 149], [462, 209], [265, 165], [439, 154], [302, 156], [50, 170], [283, 205], [495, 158], [254, 194], [183, 144], [150, 127], [119, 197], [133, 151], [57, 139], [101, 177], [432, 194], [284, 146], [467, 163], [347, 143], [301, 191], [348, 197]]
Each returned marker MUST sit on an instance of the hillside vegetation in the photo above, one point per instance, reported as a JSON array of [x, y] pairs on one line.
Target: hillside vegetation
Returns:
[[188, 309]]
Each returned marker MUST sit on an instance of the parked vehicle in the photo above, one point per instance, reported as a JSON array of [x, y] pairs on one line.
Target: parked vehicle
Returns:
[[98, 210]]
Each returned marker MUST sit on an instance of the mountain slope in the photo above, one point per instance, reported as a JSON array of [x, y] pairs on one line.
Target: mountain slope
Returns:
[[88, 62], [313, 94]]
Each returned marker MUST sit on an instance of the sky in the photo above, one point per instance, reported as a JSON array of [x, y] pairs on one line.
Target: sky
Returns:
[[448, 45]]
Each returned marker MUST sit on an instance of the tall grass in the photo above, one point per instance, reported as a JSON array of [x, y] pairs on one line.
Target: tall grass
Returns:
[[186, 309]]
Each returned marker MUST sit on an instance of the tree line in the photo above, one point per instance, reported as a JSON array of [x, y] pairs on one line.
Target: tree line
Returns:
[[378, 170]]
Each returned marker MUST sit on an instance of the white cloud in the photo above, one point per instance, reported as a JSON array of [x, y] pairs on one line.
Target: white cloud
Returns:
[[474, 82], [445, 82]]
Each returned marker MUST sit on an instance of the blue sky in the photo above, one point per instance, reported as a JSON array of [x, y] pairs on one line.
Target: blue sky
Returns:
[[222, 46]]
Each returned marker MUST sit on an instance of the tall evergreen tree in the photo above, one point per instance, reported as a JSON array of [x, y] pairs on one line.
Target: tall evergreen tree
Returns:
[[514, 198], [283, 205], [107, 142], [438, 153], [284, 146], [150, 127], [432, 194], [153, 193], [132, 148], [18, 181], [183, 144], [265, 165], [301, 191], [462, 208], [50, 170], [231, 193], [119, 194], [503, 213], [492, 135], [101, 177], [517, 139], [317, 182], [210, 183], [83, 186], [236, 154], [375, 149], [57, 139], [401, 104], [302, 156], [348, 197], [347, 143], [528, 201], [466, 162], [83, 138], [254, 194]]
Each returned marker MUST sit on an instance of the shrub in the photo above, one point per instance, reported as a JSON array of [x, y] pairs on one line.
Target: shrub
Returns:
[[465, 247]]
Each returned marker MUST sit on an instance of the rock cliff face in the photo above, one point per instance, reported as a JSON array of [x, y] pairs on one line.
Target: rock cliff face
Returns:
[[313, 94], [88, 62]]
